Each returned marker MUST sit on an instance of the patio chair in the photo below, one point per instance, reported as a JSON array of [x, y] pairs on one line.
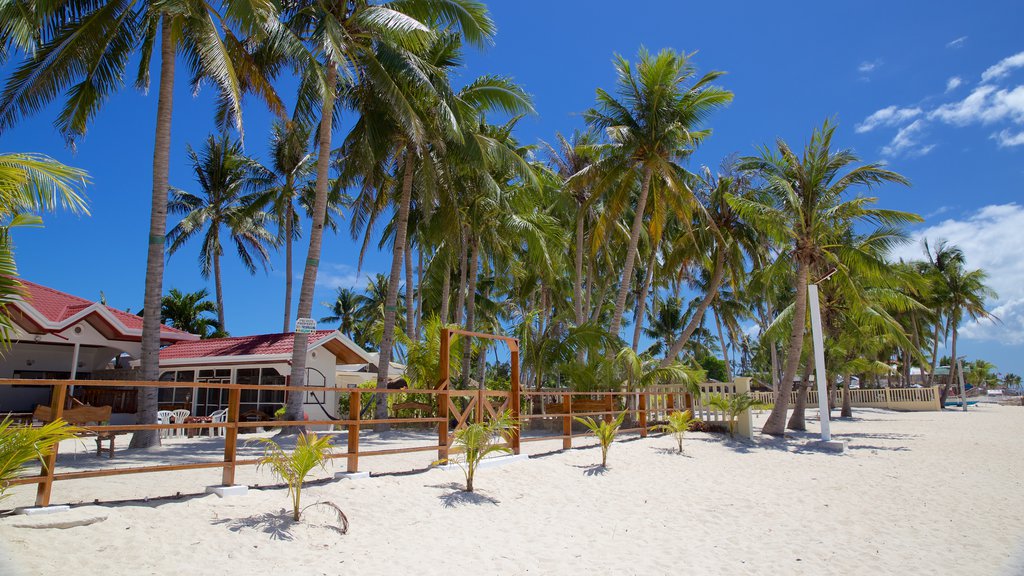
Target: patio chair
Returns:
[[219, 417], [164, 417], [179, 418]]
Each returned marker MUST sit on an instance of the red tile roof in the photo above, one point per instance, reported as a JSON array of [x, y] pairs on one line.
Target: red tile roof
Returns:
[[57, 307], [260, 344]]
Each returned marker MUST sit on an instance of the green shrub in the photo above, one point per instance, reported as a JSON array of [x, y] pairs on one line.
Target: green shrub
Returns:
[[476, 441], [733, 405], [604, 431], [677, 425], [20, 445], [292, 468]]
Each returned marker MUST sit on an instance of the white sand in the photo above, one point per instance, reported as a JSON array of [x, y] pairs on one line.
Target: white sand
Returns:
[[918, 493]]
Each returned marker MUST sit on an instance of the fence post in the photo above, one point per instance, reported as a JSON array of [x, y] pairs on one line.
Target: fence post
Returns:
[[745, 423], [57, 397], [231, 437], [670, 404], [888, 397], [643, 414], [444, 366], [567, 422], [354, 408], [481, 414]]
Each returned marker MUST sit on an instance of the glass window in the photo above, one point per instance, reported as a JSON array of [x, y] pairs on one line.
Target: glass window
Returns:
[[247, 376], [186, 376]]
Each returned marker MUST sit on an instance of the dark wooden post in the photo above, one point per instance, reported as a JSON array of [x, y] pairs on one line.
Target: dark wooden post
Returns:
[[567, 422], [481, 414], [442, 399], [231, 437], [58, 394], [354, 409], [670, 404], [514, 399], [643, 414]]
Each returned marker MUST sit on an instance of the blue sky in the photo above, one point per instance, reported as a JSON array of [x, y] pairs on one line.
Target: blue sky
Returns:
[[935, 89]]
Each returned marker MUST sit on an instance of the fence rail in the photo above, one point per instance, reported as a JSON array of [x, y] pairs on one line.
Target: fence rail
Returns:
[[904, 399], [450, 410]]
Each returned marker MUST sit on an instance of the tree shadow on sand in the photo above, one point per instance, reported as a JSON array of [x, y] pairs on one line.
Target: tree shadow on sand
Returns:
[[592, 469], [278, 526], [671, 452], [456, 496]]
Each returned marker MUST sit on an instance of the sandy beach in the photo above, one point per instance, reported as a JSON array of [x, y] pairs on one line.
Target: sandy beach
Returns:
[[917, 493]]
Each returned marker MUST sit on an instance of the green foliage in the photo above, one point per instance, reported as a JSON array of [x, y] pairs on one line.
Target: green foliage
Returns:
[[678, 424], [733, 405], [715, 368], [478, 440], [20, 445], [292, 468], [185, 311], [604, 431]]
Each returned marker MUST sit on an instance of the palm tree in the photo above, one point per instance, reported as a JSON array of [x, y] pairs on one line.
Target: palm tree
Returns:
[[228, 180], [82, 49], [804, 209], [185, 311], [29, 184], [371, 44], [343, 311], [652, 125], [964, 293]]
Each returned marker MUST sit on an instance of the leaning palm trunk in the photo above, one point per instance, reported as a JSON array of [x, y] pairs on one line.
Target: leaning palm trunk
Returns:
[[641, 305], [387, 340], [147, 400], [410, 310], [218, 285], [952, 369], [294, 409], [446, 291], [634, 241], [288, 263], [721, 341], [698, 315], [577, 281], [467, 343], [935, 353], [776, 423], [460, 300]]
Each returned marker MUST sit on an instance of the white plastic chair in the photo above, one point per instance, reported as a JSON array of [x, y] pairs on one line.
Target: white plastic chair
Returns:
[[164, 417], [179, 418], [219, 417]]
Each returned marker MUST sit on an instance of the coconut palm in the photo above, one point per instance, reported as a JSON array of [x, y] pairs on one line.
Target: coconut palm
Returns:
[[964, 293], [805, 207], [185, 311], [82, 49], [227, 179], [652, 122], [343, 311]]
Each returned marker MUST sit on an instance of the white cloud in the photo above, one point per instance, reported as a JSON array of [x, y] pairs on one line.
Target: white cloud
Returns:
[[333, 275], [953, 83], [889, 116], [1003, 67], [1006, 139], [985, 104], [867, 67], [957, 43], [908, 141], [990, 238]]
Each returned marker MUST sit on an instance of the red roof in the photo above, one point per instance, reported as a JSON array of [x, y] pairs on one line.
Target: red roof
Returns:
[[57, 307], [260, 344]]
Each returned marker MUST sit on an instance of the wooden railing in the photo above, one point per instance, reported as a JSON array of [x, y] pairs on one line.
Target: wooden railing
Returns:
[[452, 409], [904, 399]]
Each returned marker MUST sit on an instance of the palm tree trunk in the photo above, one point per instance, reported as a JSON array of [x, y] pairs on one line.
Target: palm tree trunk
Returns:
[[641, 305], [776, 422], [952, 368], [147, 400], [218, 285], [796, 420], [935, 352], [577, 281], [294, 408], [589, 288], [634, 240], [419, 290], [847, 411], [467, 343], [288, 263], [460, 299], [410, 298], [390, 305], [698, 315], [721, 342], [446, 291]]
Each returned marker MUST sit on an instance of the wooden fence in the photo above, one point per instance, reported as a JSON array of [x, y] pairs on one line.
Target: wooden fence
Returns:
[[663, 401], [450, 410], [902, 399]]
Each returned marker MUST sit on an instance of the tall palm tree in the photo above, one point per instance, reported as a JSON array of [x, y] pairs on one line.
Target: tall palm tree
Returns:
[[964, 292], [652, 124], [369, 44], [185, 311], [81, 49], [805, 207], [228, 181]]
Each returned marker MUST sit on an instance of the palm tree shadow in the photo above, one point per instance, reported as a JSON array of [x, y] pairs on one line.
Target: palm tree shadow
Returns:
[[592, 469], [278, 526], [457, 496], [672, 452]]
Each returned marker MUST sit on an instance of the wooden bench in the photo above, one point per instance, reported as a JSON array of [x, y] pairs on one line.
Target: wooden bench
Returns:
[[83, 416]]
